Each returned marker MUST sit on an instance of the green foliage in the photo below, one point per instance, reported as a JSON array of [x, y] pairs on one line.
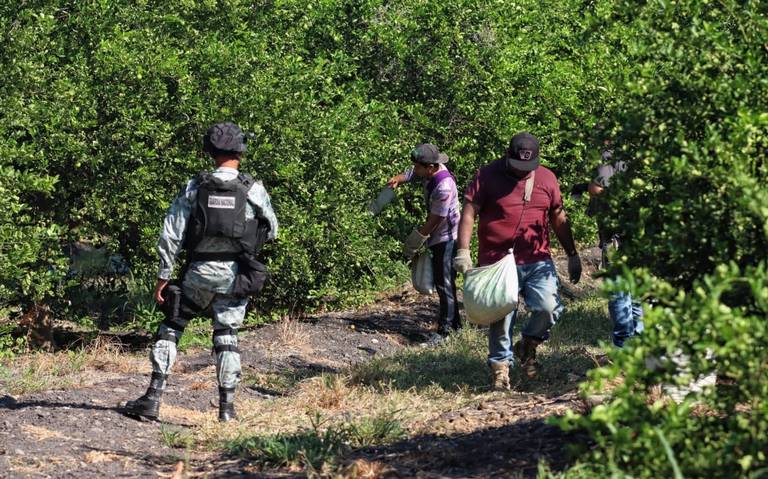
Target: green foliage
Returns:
[[691, 123], [721, 432], [197, 334], [693, 126], [10, 346], [176, 437], [105, 103]]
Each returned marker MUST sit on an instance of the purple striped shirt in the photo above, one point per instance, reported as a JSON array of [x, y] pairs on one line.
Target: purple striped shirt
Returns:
[[444, 201]]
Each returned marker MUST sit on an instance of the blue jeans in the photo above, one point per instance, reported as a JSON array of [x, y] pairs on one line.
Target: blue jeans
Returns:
[[627, 317], [538, 287]]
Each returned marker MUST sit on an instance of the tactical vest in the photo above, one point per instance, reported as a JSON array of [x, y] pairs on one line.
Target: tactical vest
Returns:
[[220, 213]]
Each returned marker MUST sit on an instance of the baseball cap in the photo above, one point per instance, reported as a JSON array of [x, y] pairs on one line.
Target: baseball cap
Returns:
[[428, 154]]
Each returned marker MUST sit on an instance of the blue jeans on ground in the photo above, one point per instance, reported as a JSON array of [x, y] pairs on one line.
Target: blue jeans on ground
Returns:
[[445, 284], [627, 317], [538, 285]]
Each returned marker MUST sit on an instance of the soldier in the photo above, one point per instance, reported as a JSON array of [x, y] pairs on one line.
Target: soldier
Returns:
[[626, 313], [221, 219]]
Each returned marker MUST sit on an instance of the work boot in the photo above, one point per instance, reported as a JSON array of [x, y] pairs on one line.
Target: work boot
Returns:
[[525, 351], [500, 372], [226, 404], [148, 405]]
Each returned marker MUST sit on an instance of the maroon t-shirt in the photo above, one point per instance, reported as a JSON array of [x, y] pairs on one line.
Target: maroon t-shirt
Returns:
[[498, 195]]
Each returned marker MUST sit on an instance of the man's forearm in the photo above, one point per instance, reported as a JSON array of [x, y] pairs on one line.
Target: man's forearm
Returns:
[[466, 224], [433, 221], [562, 228]]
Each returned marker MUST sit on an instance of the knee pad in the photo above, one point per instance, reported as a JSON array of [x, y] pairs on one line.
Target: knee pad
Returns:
[[221, 333]]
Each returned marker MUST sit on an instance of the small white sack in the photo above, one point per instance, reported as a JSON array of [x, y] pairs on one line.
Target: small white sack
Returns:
[[385, 197], [491, 292], [421, 274]]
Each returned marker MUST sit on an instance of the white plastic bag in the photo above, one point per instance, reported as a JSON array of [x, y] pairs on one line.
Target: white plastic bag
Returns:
[[385, 197], [421, 273], [491, 292]]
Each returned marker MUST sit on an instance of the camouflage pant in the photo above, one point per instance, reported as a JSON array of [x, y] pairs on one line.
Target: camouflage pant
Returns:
[[228, 314]]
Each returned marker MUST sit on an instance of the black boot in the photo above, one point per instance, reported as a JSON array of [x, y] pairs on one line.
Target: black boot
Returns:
[[148, 405], [226, 404]]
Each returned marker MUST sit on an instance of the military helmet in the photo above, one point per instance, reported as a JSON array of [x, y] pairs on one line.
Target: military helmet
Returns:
[[226, 137]]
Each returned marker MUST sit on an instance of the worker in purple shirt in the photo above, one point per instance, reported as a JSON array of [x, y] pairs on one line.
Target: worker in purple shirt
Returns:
[[438, 232]]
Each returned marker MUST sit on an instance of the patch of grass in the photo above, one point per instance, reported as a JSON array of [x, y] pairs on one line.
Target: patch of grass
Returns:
[[318, 448], [383, 428], [176, 437], [44, 371], [420, 383], [198, 334], [584, 323], [67, 369], [459, 364], [277, 383], [292, 333], [456, 365], [575, 346]]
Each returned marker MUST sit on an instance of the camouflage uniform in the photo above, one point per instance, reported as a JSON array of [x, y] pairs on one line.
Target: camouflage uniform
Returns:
[[208, 282], [210, 278]]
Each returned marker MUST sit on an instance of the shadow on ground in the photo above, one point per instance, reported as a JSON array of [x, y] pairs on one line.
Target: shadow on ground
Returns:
[[512, 450]]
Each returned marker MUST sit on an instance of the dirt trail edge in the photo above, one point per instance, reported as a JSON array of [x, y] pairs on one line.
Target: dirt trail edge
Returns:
[[79, 431]]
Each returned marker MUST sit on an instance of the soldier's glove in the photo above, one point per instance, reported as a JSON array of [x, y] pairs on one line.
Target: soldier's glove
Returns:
[[412, 243], [574, 268], [463, 261]]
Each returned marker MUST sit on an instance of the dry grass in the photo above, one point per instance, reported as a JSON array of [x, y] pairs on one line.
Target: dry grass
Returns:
[[325, 392], [179, 472], [42, 371], [292, 334], [96, 457], [362, 469], [42, 466], [180, 415], [336, 401], [106, 354], [203, 385], [41, 433]]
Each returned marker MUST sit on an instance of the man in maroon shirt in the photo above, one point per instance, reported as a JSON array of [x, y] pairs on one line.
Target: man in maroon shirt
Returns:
[[517, 200]]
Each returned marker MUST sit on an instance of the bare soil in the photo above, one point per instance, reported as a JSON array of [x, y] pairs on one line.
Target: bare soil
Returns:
[[79, 432]]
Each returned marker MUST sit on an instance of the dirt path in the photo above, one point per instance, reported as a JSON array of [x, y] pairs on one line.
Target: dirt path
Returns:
[[78, 432]]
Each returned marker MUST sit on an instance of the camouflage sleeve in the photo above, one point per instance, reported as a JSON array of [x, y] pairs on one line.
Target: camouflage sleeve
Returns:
[[603, 175], [174, 228], [259, 198]]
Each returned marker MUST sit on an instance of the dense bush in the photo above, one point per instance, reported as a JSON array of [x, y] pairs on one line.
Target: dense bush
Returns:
[[693, 125], [723, 432], [693, 211], [105, 103]]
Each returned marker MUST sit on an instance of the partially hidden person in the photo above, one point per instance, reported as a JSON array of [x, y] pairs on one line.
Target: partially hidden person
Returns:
[[625, 312]]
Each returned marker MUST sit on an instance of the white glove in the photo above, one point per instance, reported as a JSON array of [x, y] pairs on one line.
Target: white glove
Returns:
[[463, 261], [574, 268], [412, 243]]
